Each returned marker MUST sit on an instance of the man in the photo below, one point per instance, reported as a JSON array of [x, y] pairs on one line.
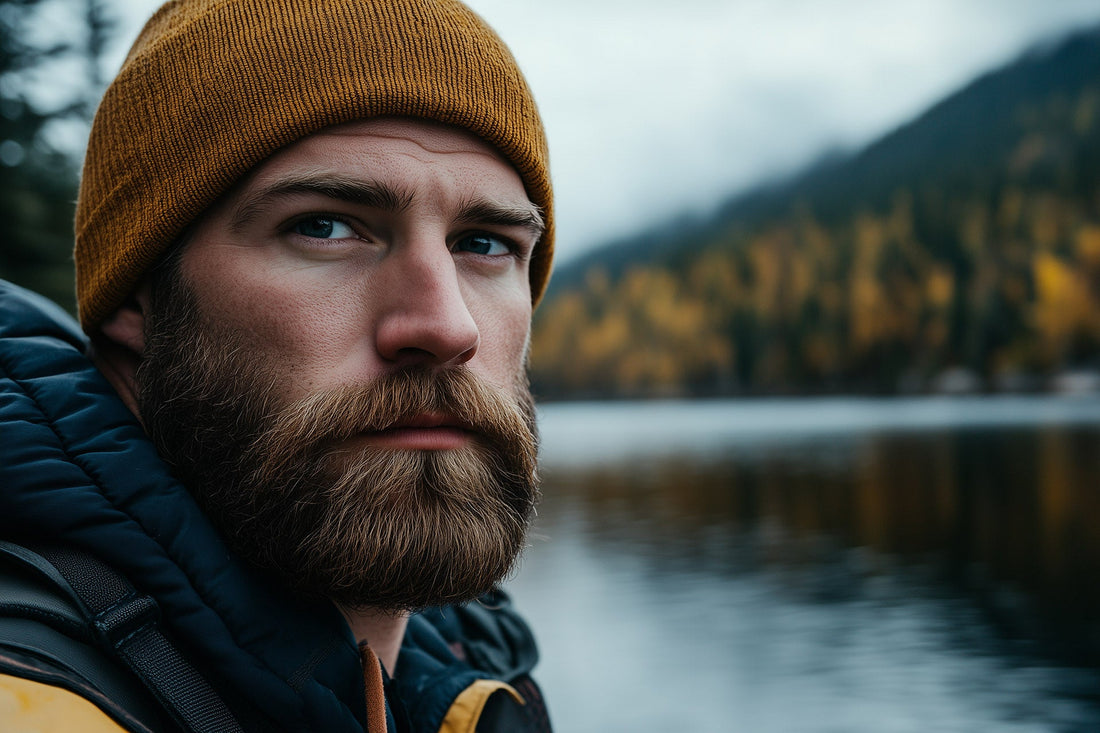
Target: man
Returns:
[[310, 234]]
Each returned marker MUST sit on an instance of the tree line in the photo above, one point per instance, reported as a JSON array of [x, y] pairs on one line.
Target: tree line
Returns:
[[50, 80], [987, 263]]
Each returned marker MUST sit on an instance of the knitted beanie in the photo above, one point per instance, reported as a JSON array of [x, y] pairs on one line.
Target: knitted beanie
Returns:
[[211, 88]]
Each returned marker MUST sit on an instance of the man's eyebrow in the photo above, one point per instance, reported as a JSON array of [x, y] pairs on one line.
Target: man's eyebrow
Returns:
[[484, 211], [361, 192]]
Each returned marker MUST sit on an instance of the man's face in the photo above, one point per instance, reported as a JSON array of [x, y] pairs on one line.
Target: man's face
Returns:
[[336, 369], [370, 247]]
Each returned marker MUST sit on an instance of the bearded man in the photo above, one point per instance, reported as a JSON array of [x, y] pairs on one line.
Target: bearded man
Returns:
[[296, 441]]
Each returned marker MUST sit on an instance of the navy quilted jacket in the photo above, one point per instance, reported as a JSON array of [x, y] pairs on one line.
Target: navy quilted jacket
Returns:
[[76, 468]]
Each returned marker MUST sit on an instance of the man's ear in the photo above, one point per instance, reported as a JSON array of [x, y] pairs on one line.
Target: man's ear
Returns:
[[119, 346], [125, 327]]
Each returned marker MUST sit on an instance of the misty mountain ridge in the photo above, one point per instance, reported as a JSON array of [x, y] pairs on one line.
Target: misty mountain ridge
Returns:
[[943, 137], [976, 195]]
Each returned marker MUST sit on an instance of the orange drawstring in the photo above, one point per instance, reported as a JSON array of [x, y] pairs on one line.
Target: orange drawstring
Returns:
[[372, 685]]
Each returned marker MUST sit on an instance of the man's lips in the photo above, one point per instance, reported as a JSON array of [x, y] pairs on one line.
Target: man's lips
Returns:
[[420, 432]]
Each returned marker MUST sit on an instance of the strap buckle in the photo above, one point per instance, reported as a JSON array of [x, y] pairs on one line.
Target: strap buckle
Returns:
[[126, 618]]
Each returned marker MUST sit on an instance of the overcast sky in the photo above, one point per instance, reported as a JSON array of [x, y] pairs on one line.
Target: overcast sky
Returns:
[[657, 108]]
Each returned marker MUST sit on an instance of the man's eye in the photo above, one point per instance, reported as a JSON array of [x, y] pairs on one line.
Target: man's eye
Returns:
[[323, 227], [483, 244]]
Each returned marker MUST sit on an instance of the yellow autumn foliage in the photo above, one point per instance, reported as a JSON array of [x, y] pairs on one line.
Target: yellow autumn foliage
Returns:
[[1012, 284]]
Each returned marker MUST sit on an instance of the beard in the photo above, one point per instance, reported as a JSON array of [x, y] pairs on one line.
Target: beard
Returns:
[[293, 494]]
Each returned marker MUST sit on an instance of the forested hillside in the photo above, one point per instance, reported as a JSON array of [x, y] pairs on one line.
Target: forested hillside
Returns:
[[968, 238]]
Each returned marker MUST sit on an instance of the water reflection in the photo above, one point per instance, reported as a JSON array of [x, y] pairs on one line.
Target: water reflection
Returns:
[[826, 566]]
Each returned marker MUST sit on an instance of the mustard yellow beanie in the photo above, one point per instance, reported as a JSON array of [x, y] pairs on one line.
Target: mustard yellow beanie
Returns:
[[211, 88]]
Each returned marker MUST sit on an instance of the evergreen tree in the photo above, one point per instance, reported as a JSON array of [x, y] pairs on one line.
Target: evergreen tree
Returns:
[[37, 181]]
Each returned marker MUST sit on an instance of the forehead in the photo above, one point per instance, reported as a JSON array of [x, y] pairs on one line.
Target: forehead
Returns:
[[396, 147]]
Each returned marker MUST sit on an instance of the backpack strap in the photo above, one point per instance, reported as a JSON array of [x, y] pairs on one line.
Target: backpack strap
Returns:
[[45, 638], [89, 601]]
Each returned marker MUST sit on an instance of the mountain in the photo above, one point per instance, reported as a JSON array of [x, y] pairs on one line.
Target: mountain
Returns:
[[966, 239]]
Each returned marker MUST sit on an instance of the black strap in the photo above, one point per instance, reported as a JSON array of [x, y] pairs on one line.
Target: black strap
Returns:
[[127, 623]]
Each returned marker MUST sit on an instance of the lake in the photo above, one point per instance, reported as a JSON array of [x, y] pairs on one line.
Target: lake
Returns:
[[833, 565]]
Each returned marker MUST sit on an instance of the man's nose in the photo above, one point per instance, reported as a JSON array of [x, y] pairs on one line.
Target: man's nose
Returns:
[[424, 318]]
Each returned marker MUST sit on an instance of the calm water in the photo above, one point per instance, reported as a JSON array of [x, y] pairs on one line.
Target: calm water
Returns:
[[835, 565]]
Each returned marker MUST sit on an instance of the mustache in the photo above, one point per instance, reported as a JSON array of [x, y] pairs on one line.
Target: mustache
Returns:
[[320, 422]]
